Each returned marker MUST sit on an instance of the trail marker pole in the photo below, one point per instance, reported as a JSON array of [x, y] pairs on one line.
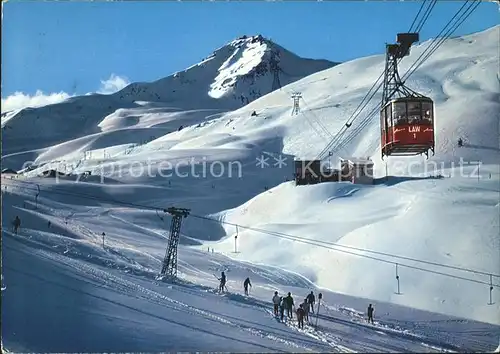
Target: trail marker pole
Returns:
[[491, 290], [36, 196], [235, 240], [397, 279]]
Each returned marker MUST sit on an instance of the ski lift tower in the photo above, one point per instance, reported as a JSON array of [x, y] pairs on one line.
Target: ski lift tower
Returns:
[[275, 69], [296, 99], [169, 266]]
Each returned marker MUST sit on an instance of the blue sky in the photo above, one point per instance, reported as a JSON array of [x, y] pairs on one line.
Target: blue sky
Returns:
[[73, 46]]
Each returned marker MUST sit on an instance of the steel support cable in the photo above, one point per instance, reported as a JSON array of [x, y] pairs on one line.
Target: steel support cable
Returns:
[[274, 233], [407, 74], [324, 244], [418, 13], [322, 126], [359, 128], [440, 38], [426, 15], [353, 116], [310, 123]]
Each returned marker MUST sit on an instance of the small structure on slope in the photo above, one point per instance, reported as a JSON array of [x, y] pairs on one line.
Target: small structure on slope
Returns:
[[357, 170]]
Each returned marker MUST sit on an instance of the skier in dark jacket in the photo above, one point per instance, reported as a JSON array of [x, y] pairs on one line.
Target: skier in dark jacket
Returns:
[[311, 300], [300, 316], [222, 282], [246, 283], [289, 305], [16, 223], [370, 313]]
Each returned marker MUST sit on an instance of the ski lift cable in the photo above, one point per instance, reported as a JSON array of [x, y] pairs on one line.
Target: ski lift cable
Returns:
[[418, 13], [316, 119], [425, 16], [333, 246], [440, 38], [336, 144], [30, 186]]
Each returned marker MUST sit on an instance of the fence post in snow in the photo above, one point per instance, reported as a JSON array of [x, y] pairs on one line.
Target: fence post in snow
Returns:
[[36, 196], [397, 279], [491, 290], [235, 240]]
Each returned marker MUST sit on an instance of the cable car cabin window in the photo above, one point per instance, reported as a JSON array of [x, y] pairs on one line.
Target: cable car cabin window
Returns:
[[427, 113], [414, 112], [399, 113], [388, 114]]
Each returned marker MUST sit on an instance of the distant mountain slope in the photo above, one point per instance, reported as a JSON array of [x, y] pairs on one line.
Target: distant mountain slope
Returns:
[[229, 78]]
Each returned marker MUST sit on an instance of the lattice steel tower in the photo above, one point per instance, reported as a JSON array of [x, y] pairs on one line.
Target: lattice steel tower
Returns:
[[393, 85], [170, 261], [275, 69], [296, 99]]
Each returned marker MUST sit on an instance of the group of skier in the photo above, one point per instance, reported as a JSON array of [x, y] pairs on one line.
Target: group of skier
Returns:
[[281, 304]]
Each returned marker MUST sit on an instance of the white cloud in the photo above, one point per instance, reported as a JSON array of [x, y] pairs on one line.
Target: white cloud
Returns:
[[20, 100], [113, 84]]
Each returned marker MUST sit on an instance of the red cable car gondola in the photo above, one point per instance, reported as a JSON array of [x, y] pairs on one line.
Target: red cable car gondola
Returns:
[[406, 117], [407, 126]]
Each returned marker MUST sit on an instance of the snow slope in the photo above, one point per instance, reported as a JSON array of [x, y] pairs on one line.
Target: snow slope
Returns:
[[451, 221], [110, 294]]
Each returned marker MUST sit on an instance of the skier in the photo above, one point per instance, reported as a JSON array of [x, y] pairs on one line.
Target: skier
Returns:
[[246, 283], [48, 224], [222, 282], [276, 303], [300, 316], [282, 308], [311, 300], [16, 223], [370, 313], [289, 305], [305, 306]]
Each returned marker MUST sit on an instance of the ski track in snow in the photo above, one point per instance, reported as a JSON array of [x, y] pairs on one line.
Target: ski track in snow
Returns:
[[322, 334], [103, 278]]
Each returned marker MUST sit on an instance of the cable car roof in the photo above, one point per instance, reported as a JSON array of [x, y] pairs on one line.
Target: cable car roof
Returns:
[[409, 99]]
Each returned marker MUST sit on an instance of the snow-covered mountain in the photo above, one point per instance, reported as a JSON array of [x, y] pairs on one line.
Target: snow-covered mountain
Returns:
[[232, 76], [442, 232]]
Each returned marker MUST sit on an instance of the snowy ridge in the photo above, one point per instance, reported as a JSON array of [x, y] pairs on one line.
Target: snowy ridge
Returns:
[[231, 77]]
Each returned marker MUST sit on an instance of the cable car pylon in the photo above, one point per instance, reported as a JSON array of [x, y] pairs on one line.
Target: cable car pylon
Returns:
[[406, 116]]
